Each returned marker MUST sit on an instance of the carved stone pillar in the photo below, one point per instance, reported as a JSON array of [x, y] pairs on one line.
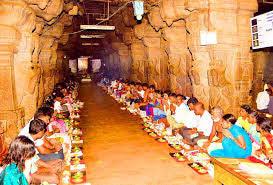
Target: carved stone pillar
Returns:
[[11, 115], [124, 59], [156, 69], [179, 58], [138, 59], [221, 74]]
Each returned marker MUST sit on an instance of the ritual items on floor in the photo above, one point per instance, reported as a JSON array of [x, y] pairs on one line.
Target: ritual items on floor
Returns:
[[75, 169], [143, 103], [199, 161], [161, 140], [197, 167], [179, 157]]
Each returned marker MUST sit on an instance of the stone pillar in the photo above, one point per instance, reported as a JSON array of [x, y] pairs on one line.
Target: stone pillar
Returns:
[[45, 61], [114, 65], [11, 115], [138, 60], [179, 58], [124, 59], [156, 67], [224, 69]]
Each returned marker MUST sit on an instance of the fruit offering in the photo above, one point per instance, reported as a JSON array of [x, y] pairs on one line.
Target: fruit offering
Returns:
[[146, 125], [75, 160], [152, 134], [177, 147], [77, 177], [178, 157], [147, 129], [197, 167], [76, 149], [161, 140], [77, 138]]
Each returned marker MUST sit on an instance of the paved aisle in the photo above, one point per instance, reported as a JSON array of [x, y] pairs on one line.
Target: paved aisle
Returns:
[[118, 152]]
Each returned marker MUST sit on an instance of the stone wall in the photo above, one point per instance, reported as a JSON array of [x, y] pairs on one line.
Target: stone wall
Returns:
[[30, 64], [165, 49]]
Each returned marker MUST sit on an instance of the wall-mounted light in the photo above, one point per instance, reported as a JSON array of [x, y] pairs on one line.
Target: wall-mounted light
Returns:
[[138, 9], [90, 44]]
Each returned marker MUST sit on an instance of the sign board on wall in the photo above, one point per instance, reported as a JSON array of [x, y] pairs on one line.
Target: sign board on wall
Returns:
[[207, 38], [262, 30]]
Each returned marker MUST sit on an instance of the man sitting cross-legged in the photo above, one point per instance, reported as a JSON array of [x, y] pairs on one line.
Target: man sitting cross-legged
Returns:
[[203, 127], [190, 119], [179, 109]]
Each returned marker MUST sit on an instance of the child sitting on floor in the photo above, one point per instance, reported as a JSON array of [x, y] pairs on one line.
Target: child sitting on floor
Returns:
[[265, 153], [243, 119], [15, 172]]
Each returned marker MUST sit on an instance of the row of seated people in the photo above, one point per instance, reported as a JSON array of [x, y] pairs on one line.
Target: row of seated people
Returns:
[[220, 135], [37, 154]]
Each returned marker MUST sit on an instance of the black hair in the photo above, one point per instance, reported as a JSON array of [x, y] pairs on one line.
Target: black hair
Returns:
[[168, 92], [20, 149], [247, 108], [253, 113], [151, 87], [265, 124], [145, 85], [44, 111], [58, 94], [230, 118], [173, 95], [182, 96], [192, 100], [158, 91], [269, 91], [270, 83], [49, 103], [37, 126]]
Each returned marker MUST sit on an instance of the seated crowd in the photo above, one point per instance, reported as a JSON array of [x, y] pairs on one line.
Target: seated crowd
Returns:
[[38, 153], [218, 134]]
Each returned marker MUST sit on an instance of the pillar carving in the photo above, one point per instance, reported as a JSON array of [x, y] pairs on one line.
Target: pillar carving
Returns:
[[179, 58], [11, 115], [227, 66]]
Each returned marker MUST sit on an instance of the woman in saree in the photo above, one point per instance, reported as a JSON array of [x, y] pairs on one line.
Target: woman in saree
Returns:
[[236, 142]]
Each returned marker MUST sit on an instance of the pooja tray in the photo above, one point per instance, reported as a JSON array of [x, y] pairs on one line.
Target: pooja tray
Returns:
[[177, 156], [146, 129], [176, 147], [198, 168], [78, 177], [161, 140], [146, 125], [152, 134]]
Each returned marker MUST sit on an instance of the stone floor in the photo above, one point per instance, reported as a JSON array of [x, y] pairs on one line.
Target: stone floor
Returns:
[[118, 152]]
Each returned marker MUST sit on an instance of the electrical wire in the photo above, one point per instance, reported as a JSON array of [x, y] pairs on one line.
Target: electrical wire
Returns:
[[119, 9]]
